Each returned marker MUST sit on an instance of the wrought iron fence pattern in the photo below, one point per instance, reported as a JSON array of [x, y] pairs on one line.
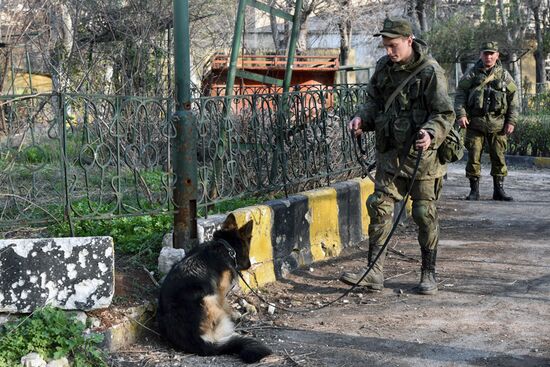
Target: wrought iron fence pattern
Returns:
[[72, 156]]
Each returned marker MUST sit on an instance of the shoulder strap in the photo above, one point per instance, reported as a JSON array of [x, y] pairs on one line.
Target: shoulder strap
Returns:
[[486, 81], [389, 101]]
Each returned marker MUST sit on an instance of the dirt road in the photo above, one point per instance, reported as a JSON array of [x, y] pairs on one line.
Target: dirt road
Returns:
[[493, 308]]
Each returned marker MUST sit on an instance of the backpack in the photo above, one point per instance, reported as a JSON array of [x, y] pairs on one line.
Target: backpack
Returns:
[[452, 149]]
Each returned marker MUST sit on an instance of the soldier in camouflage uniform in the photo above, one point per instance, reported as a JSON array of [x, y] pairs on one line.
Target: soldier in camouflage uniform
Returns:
[[419, 118], [486, 105]]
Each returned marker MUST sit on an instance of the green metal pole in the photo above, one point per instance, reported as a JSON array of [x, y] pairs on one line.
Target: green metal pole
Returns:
[[292, 45], [236, 44], [29, 71], [185, 145]]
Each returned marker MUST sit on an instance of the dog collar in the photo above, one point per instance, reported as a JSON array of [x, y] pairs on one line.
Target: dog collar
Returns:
[[230, 250]]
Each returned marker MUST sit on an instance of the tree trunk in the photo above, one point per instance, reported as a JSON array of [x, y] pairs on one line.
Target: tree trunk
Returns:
[[421, 15], [344, 27], [62, 40], [539, 55], [301, 42]]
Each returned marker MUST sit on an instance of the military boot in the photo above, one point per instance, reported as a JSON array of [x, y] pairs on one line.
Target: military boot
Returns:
[[375, 278], [474, 189], [428, 283], [498, 189]]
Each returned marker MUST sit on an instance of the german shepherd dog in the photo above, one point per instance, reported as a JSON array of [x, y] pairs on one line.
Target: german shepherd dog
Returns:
[[192, 311]]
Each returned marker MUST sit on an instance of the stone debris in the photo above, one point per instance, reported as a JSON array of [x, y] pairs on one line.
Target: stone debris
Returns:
[[168, 257], [33, 360], [61, 362]]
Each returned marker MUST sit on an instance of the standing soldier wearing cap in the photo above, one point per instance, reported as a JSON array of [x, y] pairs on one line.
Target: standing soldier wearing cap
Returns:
[[409, 110], [486, 106]]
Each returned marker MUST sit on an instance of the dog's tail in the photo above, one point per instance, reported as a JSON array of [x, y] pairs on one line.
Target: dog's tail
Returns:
[[248, 349]]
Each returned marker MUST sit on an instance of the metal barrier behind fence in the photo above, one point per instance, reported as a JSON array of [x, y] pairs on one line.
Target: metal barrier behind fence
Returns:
[[70, 157]]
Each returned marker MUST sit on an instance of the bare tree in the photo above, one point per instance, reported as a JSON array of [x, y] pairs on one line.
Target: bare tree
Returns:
[[540, 11], [101, 46], [416, 10], [515, 23], [282, 36]]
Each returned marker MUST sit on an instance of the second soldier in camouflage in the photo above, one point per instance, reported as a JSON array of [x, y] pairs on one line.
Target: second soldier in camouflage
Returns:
[[486, 105]]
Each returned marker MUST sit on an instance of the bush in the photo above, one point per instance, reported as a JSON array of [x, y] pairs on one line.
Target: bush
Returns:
[[53, 334], [531, 136], [140, 235], [538, 103]]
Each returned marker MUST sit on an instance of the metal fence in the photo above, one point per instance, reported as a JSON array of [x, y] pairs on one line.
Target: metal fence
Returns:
[[66, 157]]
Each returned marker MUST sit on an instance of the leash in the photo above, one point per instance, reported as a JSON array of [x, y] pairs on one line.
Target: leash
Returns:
[[369, 268], [360, 152]]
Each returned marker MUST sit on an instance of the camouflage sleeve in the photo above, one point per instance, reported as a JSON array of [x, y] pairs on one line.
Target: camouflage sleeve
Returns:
[[461, 96], [368, 110], [441, 115], [512, 112]]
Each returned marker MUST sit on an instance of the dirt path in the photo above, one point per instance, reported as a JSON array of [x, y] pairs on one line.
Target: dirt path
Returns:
[[493, 308]]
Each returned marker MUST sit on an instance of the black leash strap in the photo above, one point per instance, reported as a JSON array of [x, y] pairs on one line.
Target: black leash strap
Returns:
[[367, 168]]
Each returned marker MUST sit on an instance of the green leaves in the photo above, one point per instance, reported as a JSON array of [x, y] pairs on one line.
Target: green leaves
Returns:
[[532, 132], [53, 334]]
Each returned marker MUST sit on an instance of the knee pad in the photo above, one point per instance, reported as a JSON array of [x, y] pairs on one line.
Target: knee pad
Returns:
[[424, 213]]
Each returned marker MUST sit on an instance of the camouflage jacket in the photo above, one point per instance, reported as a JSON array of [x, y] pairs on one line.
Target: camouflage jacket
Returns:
[[488, 104], [422, 104]]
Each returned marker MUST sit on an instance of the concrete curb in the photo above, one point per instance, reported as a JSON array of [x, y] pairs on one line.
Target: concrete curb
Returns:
[[299, 230], [305, 228]]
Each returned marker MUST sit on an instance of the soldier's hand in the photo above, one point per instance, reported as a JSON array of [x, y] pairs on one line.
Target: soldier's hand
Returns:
[[355, 125], [508, 129], [423, 141], [463, 122]]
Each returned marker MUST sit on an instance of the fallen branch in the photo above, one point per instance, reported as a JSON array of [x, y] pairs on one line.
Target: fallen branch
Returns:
[[151, 277], [398, 275]]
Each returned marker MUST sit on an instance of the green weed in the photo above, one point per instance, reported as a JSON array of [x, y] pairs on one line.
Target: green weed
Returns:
[[53, 334]]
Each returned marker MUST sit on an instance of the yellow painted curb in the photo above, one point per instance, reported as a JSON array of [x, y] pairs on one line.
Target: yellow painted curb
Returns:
[[541, 162], [261, 248], [324, 232], [366, 186]]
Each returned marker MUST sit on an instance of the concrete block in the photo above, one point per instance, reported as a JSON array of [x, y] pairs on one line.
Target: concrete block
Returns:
[[33, 360], [168, 257], [67, 273], [207, 226], [138, 321], [205, 230], [61, 362]]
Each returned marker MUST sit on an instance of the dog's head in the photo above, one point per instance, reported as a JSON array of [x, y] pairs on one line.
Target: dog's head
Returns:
[[239, 238]]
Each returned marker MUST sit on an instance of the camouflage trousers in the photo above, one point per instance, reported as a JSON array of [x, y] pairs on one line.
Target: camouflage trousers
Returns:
[[497, 143], [424, 195]]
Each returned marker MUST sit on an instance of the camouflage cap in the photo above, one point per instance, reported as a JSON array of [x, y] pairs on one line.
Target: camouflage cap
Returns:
[[394, 28], [491, 46]]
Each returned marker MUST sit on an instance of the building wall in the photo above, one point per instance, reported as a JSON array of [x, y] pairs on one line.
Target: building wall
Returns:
[[366, 48], [25, 83]]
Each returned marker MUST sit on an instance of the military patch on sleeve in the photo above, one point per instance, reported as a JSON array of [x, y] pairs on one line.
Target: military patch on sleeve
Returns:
[[511, 87]]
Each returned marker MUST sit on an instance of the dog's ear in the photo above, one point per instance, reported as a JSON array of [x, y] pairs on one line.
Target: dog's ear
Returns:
[[230, 223], [246, 231]]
